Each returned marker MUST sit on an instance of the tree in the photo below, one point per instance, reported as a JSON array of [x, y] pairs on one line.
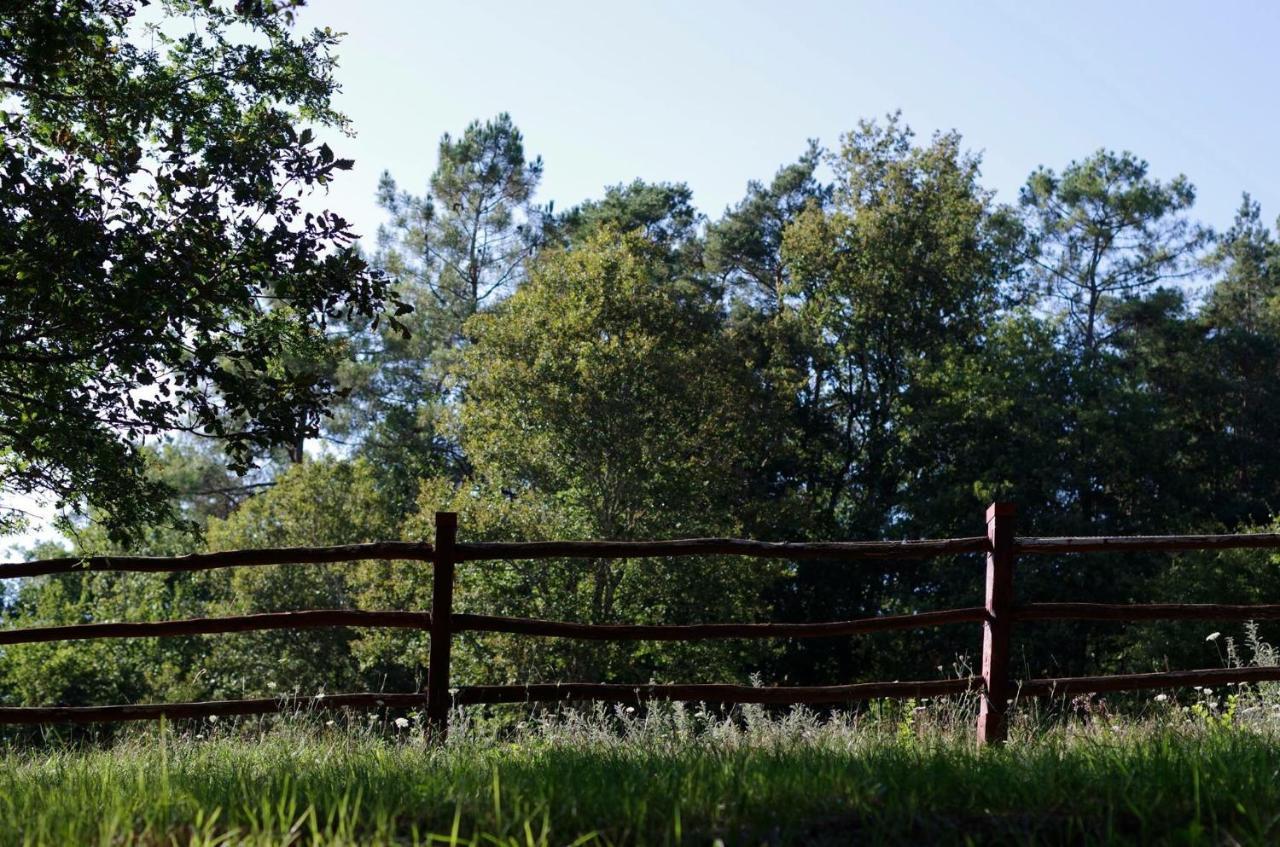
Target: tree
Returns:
[[464, 243], [662, 212], [1241, 358], [324, 502], [1104, 230], [454, 250], [745, 252], [200, 485], [900, 269], [1246, 296], [892, 280], [121, 670], [160, 271], [1104, 236], [611, 389], [745, 246]]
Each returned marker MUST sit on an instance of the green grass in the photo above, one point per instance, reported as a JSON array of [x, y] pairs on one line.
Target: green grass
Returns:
[[677, 777]]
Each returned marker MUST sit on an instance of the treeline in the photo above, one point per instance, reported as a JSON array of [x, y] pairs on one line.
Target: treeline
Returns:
[[868, 345]]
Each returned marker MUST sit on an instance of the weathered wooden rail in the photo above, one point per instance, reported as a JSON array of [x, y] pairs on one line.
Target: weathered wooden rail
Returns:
[[998, 615]]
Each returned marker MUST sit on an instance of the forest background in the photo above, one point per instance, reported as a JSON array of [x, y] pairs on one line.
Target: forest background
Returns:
[[868, 343]]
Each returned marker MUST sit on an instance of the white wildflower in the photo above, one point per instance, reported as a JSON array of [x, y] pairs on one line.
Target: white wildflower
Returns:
[[631, 710], [271, 685], [402, 723], [1160, 698], [1213, 636], [213, 718]]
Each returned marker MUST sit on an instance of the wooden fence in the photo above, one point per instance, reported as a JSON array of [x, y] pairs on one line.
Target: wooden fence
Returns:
[[999, 614]]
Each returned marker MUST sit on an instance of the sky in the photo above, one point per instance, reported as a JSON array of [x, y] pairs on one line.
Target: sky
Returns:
[[717, 93]]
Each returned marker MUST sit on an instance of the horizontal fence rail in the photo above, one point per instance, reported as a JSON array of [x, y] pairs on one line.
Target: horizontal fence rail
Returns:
[[1145, 612], [994, 686], [834, 550], [711, 631], [212, 708], [312, 619], [1147, 543], [405, 550], [791, 695], [1145, 681]]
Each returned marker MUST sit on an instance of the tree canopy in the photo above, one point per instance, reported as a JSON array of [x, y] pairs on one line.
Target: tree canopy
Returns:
[[161, 270]]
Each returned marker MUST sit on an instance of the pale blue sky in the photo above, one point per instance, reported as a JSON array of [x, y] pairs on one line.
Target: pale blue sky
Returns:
[[716, 93]]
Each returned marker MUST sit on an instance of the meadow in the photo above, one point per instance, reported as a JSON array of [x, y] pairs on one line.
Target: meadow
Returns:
[[1202, 769]]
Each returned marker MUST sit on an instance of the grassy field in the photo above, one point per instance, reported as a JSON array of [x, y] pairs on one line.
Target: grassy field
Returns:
[[911, 774]]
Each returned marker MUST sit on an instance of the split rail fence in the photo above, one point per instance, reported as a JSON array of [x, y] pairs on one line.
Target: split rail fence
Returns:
[[997, 616]]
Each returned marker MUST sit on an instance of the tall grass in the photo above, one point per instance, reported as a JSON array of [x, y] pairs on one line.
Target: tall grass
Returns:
[[1201, 771], [1196, 767]]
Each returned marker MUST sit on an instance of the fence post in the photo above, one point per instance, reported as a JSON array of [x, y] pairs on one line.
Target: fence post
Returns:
[[438, 697], [998, 625]]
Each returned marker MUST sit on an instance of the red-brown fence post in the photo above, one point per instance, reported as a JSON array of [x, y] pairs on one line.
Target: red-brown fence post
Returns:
[[996, 629], [438, 697]]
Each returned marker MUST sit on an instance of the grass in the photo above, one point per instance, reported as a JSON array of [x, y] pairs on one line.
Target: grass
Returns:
[[1204, 773]]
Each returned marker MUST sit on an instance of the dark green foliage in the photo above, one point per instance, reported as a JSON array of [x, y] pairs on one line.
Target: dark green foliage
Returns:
[[612, 389], [1104, 230], [745, 246], [158, 270], [664, 214], [453, 251]]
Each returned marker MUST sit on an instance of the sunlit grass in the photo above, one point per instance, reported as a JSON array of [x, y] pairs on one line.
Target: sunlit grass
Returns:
[[671, 776]]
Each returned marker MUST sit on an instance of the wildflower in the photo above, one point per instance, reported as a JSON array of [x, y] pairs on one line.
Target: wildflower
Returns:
[[331, 723], [631, 710], [1160, 698], [1207, 690], [213, 718], [402, 723], [271, 685], [1213, 636]]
